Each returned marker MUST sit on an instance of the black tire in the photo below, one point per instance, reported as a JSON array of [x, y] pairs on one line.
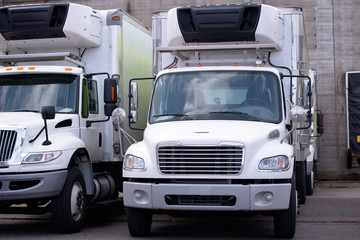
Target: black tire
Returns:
[[310, 183], [69, 208], [139, 221], [285, 220], [301, 181]]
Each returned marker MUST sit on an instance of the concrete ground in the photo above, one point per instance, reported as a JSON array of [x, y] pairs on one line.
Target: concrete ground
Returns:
[[332, 212]]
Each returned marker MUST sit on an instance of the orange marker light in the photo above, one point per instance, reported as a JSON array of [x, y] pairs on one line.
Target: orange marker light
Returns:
[[8, 69], [68, 69], [217, 64], [20, 68], [235, 64], [112, 94], [31, 68], [116, 18], [199, 65]]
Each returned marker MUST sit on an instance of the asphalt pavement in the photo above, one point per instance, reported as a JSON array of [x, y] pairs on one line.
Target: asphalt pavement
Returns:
[[332, 212]]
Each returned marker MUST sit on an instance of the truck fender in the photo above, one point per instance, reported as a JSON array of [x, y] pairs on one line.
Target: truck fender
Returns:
[[81, 160]]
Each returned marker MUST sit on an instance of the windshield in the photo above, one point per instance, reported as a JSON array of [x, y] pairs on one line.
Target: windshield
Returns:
[[29, 92], [210, 95]]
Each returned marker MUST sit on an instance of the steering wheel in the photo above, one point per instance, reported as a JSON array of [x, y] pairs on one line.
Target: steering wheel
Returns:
[[255, 101]]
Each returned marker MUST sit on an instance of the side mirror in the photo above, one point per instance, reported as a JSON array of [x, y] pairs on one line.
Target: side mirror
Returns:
[[110, 95], [118, 115], [320, 123], [134, 96], [48, 112]]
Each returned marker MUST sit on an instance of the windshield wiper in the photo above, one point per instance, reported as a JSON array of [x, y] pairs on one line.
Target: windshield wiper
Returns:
[[185, 116], [25, 110], [250, 117]]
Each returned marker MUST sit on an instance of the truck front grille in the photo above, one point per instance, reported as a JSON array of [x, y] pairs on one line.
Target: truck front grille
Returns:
[[7, 144], [200, 200], [223, 160]]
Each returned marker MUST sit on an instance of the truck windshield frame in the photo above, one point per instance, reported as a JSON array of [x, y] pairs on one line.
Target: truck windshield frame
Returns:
[[29, 92], [217, 95]]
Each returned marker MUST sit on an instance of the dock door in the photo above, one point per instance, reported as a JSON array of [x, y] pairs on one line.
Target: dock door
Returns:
[[353, 117]]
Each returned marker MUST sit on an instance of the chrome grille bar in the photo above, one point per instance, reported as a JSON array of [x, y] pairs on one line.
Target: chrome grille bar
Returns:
[[7, 144], [200, 160]]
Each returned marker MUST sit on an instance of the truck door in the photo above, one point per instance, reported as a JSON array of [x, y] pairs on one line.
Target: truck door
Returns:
[[92, 135]]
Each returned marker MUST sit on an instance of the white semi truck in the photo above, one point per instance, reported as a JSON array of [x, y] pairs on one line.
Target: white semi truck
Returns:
[[231, 123], [62, 67]]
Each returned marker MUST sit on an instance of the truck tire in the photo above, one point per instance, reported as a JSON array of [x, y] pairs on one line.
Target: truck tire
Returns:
[[139, 221], [285, 220], [310, 183], [301, 181], [69, 208]]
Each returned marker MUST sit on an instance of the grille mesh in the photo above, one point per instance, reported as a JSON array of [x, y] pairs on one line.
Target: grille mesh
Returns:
[[7, 144], [200, 200], [200, 160]]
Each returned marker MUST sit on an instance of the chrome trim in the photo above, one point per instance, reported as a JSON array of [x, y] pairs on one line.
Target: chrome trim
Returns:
[[198, 160]]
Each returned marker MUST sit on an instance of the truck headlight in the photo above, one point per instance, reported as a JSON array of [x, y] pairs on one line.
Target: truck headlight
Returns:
[[132, 162], [277, 163], [41, 157]]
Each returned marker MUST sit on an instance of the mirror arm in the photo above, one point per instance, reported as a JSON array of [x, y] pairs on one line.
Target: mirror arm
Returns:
[[130, 95], [309, 115], [33, 140]]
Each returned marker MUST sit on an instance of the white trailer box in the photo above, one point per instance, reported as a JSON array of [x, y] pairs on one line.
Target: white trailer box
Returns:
[[64, 69]]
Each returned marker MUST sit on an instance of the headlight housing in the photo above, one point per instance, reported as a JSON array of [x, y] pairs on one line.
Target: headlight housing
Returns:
[[41, 157], [276, 163], [132, 162]]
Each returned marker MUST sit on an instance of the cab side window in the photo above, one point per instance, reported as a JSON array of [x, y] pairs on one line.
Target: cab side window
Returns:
[[93, 97]]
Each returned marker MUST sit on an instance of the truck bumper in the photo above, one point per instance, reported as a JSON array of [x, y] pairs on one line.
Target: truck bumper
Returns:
[[207, 197], [30, 186]]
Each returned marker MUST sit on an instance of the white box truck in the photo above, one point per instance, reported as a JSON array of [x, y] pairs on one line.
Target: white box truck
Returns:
[[230, 124], [62, 66]]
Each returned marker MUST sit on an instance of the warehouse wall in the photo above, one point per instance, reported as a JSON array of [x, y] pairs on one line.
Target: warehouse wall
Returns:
[[333, 35]]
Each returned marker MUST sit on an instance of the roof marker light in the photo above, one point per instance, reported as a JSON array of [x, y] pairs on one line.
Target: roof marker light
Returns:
[[31, 68], [8, 69], [68, 69], [20, 68]]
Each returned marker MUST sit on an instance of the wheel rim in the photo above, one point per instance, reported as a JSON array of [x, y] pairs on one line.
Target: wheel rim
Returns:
[[77, 201]]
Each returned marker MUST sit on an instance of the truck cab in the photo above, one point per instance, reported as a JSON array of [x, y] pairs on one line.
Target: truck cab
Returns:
[[62, 75], [229, 119]]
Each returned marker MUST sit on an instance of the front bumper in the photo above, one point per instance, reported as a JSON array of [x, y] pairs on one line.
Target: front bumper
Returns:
[[207, 197], [30, 186]]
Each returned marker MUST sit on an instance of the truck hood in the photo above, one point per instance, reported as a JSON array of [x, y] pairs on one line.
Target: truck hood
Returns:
[[210, 132], [33, 122]]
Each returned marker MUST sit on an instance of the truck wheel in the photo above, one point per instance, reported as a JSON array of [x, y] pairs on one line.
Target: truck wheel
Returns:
[[139, 221], [310, 183], [285, 220], [301, 181], [69, 207]]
